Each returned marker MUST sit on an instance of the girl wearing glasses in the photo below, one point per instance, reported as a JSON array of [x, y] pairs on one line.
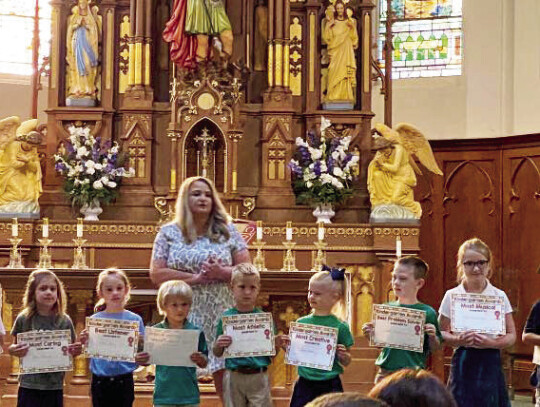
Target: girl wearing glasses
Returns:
[[476, 377]]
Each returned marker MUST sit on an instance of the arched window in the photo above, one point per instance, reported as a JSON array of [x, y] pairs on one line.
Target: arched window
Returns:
[[17, 32], [427, 37]]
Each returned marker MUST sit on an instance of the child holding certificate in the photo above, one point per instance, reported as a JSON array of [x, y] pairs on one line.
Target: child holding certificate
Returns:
[[177, 385], [408, 277], [44, 308], [112, 381], [327, 290], [246, 382], [476, 376]]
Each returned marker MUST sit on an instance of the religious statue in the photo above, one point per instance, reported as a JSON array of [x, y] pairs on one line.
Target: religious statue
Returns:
[[82, 55], [192, 24], [340, 35], [20, 170], [391, 173]]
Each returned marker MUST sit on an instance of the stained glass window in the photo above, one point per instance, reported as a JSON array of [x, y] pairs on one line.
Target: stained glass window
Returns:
[[427, 37], [16, 34]]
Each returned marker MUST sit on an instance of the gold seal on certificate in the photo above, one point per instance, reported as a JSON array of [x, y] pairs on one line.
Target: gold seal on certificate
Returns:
[[398, 327], [312, 346], [112, 339], [479, 313], [47, 352], [252, 335], [171, 347]]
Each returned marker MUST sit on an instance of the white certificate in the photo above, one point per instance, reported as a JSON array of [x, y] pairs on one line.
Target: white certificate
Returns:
[[47, 352], [112, 339], [312, 346], [398, 328], [171, 347], [252, 335], [479, 313]]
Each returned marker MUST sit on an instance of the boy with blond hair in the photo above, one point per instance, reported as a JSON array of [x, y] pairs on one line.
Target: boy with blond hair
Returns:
[[177, 385], [246, 382], [408, 277]]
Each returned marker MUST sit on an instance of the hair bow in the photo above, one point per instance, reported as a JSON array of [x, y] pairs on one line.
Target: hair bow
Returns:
[[336, 273]]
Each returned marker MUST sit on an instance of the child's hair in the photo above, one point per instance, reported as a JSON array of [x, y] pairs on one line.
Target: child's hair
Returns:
[[476, 245], [100, 305], [29, 298], [170, 289], [340, 287], [412, 388], [244, 269], [346, 399], [420, 266]]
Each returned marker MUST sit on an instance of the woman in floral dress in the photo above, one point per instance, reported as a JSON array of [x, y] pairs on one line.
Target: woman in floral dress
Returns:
[[200, 247]]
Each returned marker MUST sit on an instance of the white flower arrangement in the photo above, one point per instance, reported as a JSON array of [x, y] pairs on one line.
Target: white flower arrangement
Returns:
[[322, 168], [92, 170]]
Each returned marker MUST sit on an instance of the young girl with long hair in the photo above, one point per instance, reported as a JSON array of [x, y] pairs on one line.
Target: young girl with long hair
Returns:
[[112, 381], [44, 308], [327, 291]]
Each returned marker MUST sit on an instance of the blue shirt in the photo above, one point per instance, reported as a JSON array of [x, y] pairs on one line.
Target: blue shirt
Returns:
[[102, 367]]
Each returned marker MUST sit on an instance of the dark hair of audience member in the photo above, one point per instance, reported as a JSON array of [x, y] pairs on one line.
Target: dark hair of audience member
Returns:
[[413, 388], [347, 399]]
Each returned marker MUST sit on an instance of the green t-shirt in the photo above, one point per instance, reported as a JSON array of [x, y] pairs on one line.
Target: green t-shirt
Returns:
[[178, 384], [251, 362], [395, 359], [344, 338], [42, 381]]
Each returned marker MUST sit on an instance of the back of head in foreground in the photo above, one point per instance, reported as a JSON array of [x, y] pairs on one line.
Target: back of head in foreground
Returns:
[[347, 399], [413, 388]]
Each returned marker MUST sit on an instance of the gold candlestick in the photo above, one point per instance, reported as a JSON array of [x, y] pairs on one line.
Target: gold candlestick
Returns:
[[15, 261], [259, 260], [45, 257], [289, 260], [79, 254], [320, 257]]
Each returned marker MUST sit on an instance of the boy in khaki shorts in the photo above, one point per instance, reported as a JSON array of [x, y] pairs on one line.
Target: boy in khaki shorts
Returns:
[[246, 381]]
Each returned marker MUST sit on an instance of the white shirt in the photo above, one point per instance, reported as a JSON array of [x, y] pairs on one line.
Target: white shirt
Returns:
[[444, 309]]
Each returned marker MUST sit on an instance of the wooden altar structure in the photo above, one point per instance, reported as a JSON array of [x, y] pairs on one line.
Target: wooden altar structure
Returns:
[[366, 252]]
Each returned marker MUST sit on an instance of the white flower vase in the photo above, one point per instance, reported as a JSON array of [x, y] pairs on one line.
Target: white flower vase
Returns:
[[91, 211], [324, 213]]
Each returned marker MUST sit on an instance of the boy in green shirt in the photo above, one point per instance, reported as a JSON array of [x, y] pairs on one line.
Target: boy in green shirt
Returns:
[[408, 278], [177, 386], [246, 382]]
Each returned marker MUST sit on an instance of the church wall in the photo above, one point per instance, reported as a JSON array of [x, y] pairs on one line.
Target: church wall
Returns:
[[497, 93], [16, 99]]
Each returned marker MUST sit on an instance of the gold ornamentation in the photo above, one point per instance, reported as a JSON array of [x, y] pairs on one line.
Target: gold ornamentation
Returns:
[[295, 60], [123, 55], [312, 42], [109, 50], [249, 204], [206, 101]]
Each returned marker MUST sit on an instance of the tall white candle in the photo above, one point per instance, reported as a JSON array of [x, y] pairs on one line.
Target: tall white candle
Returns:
[[45, 228], [79, 227], [320, 233], [259, 230], [288, 231], [14, 228], [398, 247]]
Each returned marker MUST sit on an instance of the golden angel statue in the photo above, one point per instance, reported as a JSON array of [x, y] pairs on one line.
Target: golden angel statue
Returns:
[[82, 55], [340, 35], [391, 173], [20, 170]]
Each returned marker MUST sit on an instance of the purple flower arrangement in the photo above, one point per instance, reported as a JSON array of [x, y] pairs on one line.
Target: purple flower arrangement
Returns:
[[322, 168], [92, 170]]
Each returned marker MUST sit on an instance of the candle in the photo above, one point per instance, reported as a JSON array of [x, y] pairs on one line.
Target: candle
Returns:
[[259, 230], [14, 228], [288, 231], [79, 227], [45, 228], [321, 231], [398, 247]]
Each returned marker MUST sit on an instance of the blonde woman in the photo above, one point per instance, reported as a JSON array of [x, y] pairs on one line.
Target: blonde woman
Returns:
[[476, 377], [200, 247]]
